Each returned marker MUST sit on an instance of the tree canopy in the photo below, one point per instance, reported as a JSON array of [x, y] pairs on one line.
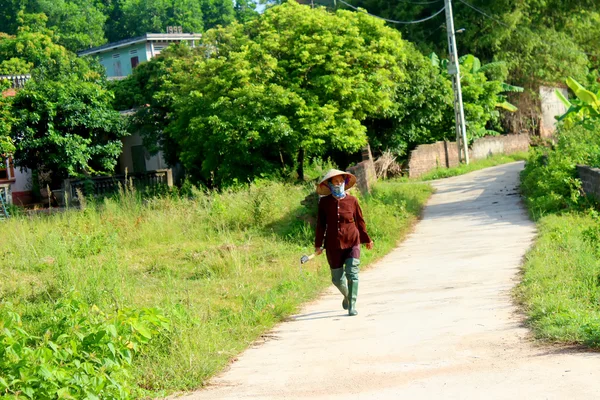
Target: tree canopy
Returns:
[[539, 40], [62, 120], [294, 82], [80, 24]]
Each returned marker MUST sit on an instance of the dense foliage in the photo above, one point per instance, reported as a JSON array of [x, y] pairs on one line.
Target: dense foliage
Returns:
[[542, 41], [6, 120], [66, 124], [79, 24], [63, 121], [294, 83], [550, 180], [78, 352]]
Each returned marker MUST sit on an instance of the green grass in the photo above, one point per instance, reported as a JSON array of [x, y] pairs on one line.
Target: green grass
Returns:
[[476, 165], [560, 290], [222, 267]]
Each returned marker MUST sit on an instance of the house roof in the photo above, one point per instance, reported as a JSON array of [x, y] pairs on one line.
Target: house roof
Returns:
[[148, 37]]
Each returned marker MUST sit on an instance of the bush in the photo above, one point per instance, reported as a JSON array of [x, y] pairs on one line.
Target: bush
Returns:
[[79, 352], [549, 181]]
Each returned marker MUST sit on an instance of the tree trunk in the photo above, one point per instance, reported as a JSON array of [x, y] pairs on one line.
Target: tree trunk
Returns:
[[300, 169]]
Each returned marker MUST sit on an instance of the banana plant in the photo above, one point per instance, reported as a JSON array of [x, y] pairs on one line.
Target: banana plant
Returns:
[[585, 107], [471, 64]]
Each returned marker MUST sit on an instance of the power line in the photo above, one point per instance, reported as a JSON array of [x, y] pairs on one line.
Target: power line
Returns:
[[392, 20], [483, 13], [420, 2]]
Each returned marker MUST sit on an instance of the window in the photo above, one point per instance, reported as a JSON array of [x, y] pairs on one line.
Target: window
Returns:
[[117, 55], [3, 170], [7, 170], [134, 62], [132, 51]]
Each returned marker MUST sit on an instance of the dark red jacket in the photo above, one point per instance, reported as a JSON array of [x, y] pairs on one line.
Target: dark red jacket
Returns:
[[340, 223]]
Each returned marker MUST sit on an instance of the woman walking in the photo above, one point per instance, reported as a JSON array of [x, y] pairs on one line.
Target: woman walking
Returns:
[[341, 230]]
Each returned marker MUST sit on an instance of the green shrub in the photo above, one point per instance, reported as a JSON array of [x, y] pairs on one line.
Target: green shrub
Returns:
[[80, 352], [549, 181]]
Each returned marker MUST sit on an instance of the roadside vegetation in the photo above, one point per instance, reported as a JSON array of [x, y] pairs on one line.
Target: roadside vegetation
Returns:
[[561, 286], [134, 296]]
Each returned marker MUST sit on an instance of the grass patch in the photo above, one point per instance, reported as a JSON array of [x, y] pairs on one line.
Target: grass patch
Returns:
[[221, 267], [492, 161], [560, 289]]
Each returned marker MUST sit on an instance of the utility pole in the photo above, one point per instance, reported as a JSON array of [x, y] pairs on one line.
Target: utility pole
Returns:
[[454, 71]]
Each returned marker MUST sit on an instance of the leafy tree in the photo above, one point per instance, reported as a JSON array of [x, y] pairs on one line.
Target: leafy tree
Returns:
[[422, 111], [539, 39], [9, 11], [245, 10], [6, 121], [218, 12], [141, 16], [296, 82], [64, 121], [78, 24], [32, 45]]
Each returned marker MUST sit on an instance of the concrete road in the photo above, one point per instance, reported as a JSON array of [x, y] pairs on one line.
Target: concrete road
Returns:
[[436, 319]]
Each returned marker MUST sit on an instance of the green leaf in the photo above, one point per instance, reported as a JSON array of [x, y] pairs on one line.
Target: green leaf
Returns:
[[507, 106], [435, 60], [587, 97], [111, 347], [574, 85], [562, 98], [510, 88]]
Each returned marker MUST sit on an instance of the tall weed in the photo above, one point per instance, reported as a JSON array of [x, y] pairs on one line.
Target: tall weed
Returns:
[[223, 266]]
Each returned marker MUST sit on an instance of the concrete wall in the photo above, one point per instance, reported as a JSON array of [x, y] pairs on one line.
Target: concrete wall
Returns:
[[428, 157], [365, 175], [551, 107], [122, 55], [590, 177], [153, 162]]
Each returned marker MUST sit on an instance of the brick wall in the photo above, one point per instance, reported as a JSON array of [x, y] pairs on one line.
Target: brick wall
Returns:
[[428, 157], [590, 177]]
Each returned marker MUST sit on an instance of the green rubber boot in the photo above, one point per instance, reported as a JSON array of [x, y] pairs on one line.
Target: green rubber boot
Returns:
[[338, 279], [351, 265]]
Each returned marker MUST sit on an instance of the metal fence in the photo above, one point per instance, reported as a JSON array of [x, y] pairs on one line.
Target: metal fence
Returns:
[[108, 185], [16, 81]]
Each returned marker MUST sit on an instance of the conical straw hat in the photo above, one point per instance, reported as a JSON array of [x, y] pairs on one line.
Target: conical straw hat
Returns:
[[322, 187]]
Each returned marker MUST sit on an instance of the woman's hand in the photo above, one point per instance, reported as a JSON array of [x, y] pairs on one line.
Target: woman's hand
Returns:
[[369, 246], [318, 251]]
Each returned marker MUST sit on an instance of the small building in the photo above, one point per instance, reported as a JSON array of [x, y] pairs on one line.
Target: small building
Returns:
[[119, 59]]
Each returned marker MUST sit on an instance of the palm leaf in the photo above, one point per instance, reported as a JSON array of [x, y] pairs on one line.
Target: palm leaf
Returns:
[[510, 88], [562, 98], [507, 106], [492, 65], [435, 60], [574, 85], [587, 97]]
